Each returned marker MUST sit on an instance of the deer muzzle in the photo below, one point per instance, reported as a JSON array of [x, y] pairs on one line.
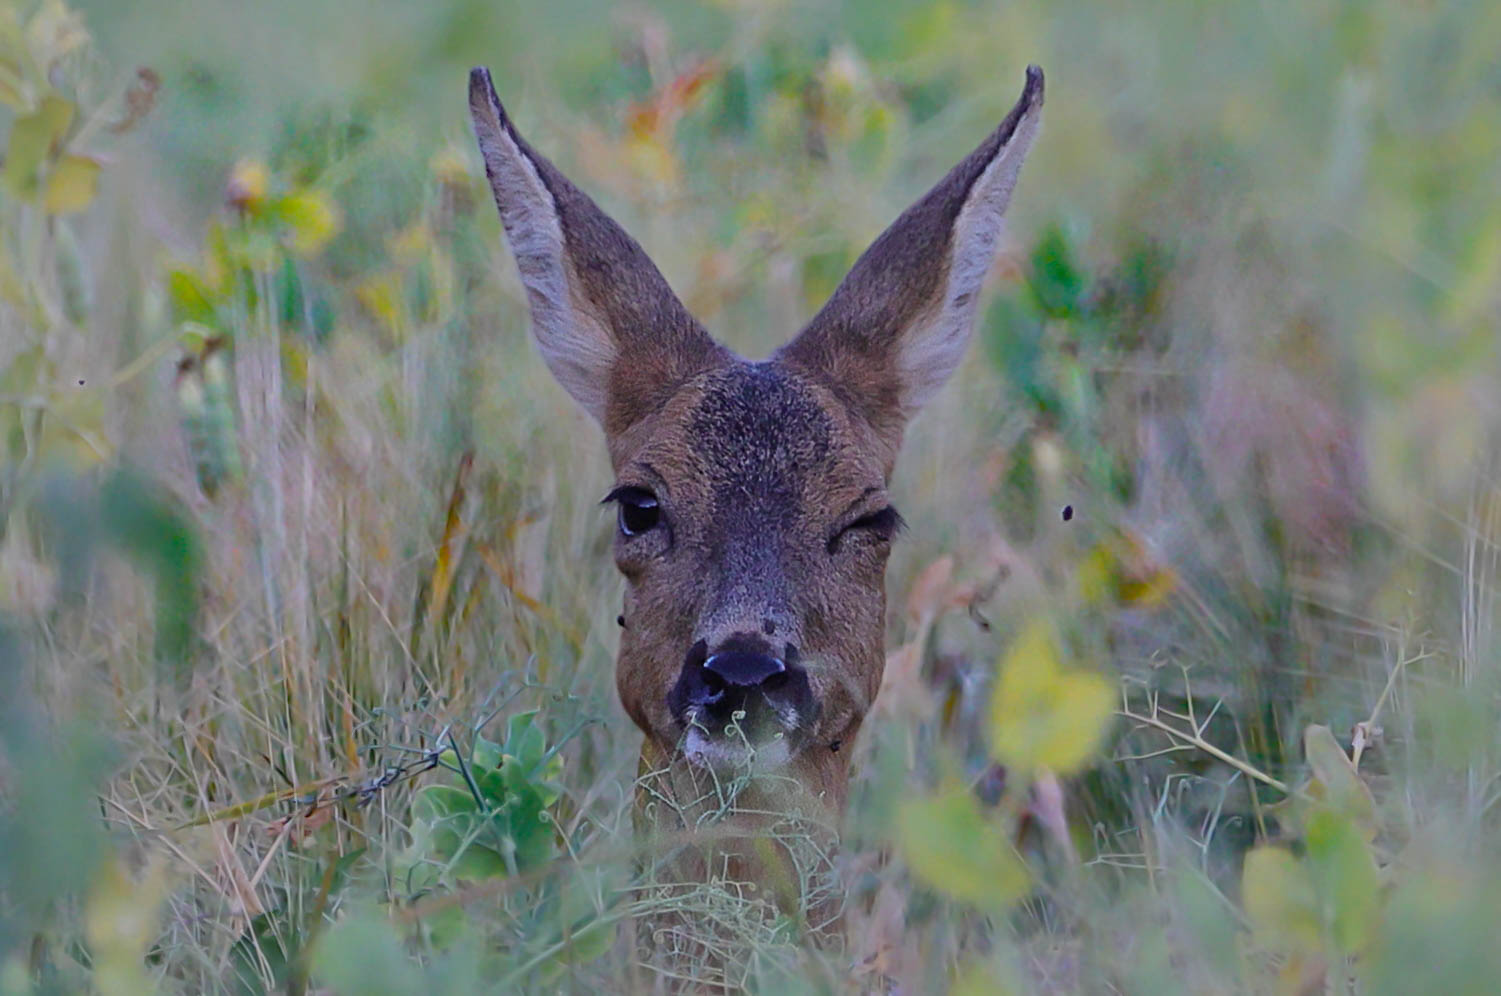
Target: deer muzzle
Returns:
[[746, 702]]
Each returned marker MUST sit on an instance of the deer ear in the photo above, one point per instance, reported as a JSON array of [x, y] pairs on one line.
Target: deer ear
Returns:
[[896, 328], [609, 327]]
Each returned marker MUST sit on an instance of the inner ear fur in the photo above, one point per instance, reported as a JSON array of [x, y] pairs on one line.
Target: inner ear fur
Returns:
[[609, 327], [897, 326]]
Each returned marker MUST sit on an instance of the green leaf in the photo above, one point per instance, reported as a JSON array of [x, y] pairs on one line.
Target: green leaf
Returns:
[[28, 374], [1043, 716], [1346, 878], [487, 753], [190, 297], [445, 927], [525, 741], [949, 844], [436, 803], [72, 277], [477, 862], [491, 782], [1014, 334], [363, 955], [1439, 928], [585, 945], [1206, 920], [527, 824], [72, 185], [822, 272], [267, 947], [1336, 782], [149, 526], [1056, 280]]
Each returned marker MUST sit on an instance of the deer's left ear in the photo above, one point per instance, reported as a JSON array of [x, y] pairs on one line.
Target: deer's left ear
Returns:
[[896, 328], [611, 330]]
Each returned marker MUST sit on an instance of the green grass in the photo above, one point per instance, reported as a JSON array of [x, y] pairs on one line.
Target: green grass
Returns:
[[1244, 325]]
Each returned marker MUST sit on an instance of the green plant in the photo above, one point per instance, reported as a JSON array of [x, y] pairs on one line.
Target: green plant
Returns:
[[492, 818]]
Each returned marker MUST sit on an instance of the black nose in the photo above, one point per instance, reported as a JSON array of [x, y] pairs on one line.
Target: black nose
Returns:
[[745, 675], [742, 669]]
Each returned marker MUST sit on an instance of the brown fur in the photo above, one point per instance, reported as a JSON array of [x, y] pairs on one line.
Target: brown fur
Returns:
[[759, 469]]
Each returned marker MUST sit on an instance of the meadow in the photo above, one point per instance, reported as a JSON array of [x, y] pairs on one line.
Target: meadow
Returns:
[[307, 614]]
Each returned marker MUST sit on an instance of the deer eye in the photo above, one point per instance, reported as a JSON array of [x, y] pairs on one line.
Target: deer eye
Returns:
[[637, 508], [883, 524]]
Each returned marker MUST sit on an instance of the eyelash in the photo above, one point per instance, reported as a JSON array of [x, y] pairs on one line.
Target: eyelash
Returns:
[[885, 523], [638, 502]]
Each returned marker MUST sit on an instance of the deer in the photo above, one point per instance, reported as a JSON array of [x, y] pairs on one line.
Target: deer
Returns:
[[752, 505]]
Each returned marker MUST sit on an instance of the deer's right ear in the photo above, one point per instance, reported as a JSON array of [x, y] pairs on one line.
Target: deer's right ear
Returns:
[[611, 330], [897, 326]]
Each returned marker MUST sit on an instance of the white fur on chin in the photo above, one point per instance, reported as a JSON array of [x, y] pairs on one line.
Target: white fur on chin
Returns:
[[729, 756]]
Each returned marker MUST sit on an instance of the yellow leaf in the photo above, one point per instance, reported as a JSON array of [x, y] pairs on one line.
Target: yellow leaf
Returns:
[[1280, 901], [381, 296], [242, 809], [1042, 716], [450, 547], [12, 290], [33, 138], [1149, 589], [410, 245], [73, 429], [311, 219], [651, 159], [979, 979], [72, 186], [1094, 578], [12, 86], [450, 165], [950, 845], [14, 58], [119, 924]]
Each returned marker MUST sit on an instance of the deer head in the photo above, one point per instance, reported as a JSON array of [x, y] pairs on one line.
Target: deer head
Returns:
[[753, 520]]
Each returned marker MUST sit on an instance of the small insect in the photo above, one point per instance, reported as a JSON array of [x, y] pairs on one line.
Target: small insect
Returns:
[[1068, 513]]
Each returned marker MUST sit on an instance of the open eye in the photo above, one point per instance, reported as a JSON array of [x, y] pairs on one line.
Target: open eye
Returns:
[[638, 511], [883, 524]]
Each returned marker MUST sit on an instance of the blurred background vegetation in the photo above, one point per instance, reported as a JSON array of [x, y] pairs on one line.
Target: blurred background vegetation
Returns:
[[306, 610]]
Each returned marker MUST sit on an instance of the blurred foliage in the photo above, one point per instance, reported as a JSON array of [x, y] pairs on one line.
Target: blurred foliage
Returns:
[[1227, 441]]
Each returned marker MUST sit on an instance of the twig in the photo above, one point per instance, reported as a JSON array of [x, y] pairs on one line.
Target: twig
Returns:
[[1197, 741]]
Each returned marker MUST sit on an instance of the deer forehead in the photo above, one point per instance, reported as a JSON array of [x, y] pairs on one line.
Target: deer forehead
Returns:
[[755, 442]]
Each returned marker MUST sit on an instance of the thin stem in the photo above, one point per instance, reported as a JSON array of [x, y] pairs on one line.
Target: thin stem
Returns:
[[1199, 742]]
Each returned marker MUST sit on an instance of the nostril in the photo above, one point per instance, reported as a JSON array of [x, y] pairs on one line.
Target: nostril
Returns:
[[741, 669]]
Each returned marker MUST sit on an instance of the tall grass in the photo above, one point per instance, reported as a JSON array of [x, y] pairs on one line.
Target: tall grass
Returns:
[[295, 524]]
